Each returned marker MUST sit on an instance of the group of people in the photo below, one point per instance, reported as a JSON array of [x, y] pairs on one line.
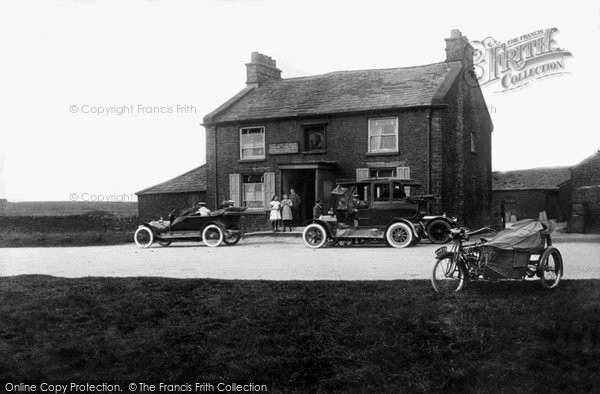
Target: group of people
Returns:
[[285, 212]]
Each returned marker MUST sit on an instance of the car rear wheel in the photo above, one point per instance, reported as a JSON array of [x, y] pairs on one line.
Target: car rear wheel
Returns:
[[143, 237], [164, 243], [314, 236], [399, 235], [438, 231], [212, 236], [232, 238]]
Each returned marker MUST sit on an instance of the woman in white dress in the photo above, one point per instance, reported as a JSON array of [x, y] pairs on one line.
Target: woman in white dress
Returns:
[[275, 215]]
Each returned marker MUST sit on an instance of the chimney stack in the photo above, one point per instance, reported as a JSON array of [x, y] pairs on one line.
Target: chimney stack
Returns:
[[260, 69], [458, 48]]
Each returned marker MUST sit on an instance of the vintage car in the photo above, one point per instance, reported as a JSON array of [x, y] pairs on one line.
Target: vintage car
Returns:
[[378, 209], [222, 225]]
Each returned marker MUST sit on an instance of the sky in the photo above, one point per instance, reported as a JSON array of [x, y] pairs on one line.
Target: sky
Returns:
[[105, 98]]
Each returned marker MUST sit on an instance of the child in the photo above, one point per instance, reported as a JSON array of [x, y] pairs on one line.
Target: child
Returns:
[[275, 215], [286, 212]]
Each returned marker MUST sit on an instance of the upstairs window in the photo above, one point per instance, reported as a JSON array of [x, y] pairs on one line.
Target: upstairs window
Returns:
[[252, 143], [383, 135]]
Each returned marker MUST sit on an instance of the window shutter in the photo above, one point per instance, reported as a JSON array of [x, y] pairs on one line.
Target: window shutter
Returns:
[[234, 189], [268, 188], [403, 173], [362, 173]]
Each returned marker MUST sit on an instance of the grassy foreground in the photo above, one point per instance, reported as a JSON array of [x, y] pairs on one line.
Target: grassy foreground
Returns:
[[302, 336]]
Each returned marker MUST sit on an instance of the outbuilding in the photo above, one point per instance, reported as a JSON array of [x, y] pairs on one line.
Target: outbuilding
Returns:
[[526, 193], [181, 192]]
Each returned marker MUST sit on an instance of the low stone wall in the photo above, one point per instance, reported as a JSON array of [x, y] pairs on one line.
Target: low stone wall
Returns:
[[67, 224]]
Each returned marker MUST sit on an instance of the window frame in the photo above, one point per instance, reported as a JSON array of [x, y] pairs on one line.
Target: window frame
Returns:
[[369, 136], [243, 192], [264, 142]]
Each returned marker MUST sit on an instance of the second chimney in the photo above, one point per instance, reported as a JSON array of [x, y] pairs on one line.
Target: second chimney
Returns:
[[458, 48], [260, 69]]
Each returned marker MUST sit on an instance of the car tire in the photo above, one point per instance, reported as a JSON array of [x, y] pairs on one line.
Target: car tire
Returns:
[[232, 239], [399, 235], [314, 236], [143, 237], [212, 236], [164, 243], [438, 231]]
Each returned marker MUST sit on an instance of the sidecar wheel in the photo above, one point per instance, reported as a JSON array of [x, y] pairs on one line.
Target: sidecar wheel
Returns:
[[438, 231], [399, 235], [143, 237], [550, 268], [212, 236]]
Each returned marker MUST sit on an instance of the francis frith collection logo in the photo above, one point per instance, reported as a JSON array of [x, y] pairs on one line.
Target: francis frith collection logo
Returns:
[[517, 62]]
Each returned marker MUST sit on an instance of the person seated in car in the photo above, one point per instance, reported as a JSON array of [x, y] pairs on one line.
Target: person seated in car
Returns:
[[202, 210], [227, 204]]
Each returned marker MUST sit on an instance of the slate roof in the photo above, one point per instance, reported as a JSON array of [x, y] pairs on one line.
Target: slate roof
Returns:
[[595, 156], [341, 91], [545, 178], [191, 181]]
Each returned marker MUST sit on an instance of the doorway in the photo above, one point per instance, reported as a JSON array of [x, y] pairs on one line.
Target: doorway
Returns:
[[303, 182]]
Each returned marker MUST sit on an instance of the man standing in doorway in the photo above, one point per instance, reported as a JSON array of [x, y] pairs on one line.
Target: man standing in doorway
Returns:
[[296, 202]]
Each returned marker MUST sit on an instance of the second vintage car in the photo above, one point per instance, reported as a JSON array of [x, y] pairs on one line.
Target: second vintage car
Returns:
[[378, 209]]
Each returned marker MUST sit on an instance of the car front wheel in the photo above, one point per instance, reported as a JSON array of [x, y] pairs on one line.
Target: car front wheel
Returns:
[[314, 236], [143, 237], [399, 235], [212, 236]]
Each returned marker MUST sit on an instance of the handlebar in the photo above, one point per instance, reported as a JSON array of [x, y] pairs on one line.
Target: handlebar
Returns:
[[462, 232], [480, 231]]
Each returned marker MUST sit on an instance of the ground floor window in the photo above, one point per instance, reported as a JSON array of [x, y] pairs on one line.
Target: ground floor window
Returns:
[[252, 187], [383, 172]]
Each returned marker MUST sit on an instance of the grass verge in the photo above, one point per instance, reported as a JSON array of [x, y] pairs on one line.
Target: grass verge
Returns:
[[302, 336]]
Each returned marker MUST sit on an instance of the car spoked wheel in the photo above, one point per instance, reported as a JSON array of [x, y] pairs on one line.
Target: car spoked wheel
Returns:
[[439, 231], [212, 236], [232, 237], [314, 236], [399, 235], [143, 237]]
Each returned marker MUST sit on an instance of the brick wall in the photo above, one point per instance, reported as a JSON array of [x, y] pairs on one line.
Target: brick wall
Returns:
[[585, 195], [155, 206], [467, 176], [523, 204], [346, 144]]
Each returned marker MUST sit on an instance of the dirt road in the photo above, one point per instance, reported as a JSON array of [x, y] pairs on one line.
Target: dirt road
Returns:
[[256, 258]]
